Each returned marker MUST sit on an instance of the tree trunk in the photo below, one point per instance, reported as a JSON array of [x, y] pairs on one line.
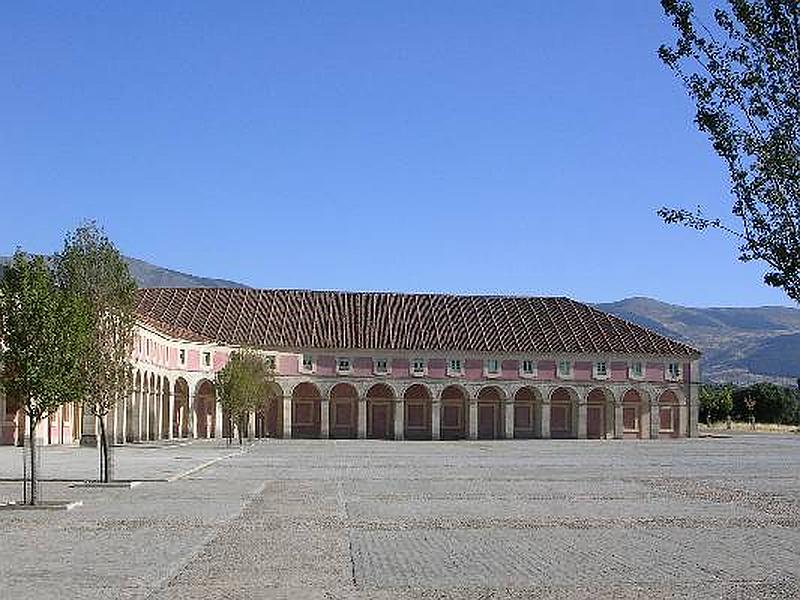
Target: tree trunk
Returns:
[[32, 435], [103, 450]]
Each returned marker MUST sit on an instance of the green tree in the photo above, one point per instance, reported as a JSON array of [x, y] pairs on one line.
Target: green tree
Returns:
[[743, 73], [773, 403], [241, 385], [716, 402], [91, 267], [44, 329]]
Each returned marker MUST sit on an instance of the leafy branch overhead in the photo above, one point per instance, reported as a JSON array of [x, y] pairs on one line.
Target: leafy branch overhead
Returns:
[[743, 73]]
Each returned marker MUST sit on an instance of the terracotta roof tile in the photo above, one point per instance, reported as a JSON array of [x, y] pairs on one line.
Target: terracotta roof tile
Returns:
[[387, 321]]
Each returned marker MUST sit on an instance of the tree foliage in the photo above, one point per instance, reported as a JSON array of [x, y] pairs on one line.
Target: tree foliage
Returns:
[[743, 73], [716, 402], [242, 385], [773, 403], [44, 329], [91, 267]]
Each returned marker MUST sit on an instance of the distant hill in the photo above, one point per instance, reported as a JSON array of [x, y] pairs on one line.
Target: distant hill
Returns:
[[738, 344], [148, 275]]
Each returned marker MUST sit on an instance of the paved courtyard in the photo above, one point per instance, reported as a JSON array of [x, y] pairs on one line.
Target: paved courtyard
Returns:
[[704, 518]]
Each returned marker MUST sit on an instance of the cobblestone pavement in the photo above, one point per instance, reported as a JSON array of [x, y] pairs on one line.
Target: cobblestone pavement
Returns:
[[706, 518]]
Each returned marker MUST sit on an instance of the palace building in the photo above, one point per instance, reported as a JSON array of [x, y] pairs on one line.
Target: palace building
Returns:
[[395, 366]]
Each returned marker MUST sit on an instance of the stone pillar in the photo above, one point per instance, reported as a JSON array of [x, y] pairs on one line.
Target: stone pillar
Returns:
[[544, 420], [472, 432], [287, 417], [436, 417], [362, 418], [251, 425], [399, 419], [581, 419], [218, 421], [171, 434], [508, 413], [694, 399], [324, 418], [618, 425], [655, 419], [192, 416], [88, 429]]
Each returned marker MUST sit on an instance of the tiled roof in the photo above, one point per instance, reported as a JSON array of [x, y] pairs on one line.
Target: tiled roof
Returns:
[[297, 319]]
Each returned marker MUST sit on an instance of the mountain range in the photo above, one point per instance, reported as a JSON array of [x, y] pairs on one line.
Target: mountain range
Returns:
[[741, 345]]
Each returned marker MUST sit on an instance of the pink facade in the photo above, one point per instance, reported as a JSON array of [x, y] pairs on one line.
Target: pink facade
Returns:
[[288, 365], [473, 370], [510, 369], [619, 371], [437, 368]]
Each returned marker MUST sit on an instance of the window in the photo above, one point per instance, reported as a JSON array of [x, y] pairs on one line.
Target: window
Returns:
[[343, 365], [454, 367], [418, 367], [206, 359], [600, 369], [528, 367], [564, 368], [308, 363], [637, 370], [381, 366], [182, 356], [492, 366], [674, 370], [270, 362]]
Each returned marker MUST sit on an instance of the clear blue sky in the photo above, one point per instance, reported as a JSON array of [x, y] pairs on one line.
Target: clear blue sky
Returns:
[[499, 147]]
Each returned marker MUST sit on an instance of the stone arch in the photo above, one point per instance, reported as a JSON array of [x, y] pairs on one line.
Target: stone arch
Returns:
[[205, 408], [306, 410], [491, 412], [180, 424], [635, 412], [564, 413], [417, 400], [669, 414], [343, 411], [454, 416], [269, 418], [599, 414], [380, 412], [527, 412], [152, 407]]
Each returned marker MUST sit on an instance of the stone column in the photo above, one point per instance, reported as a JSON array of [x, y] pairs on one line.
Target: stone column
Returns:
[[694, 399], [655, 419], [472, 433], [324, 418], [287, 417], [544, 420], [581, 419], [251, 425], [218, 421], [88, 429], [618, 425], [171, 434], [508, 409], [399, 419], [362, 418], [436, 417], [192, 416]]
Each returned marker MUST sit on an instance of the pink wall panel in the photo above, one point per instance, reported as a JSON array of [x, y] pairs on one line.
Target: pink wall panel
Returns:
[[362, 366], [400, 367], [220, 360], [473, 369], [510, 369], [288, 365], [193, 360], [582, 371], [436, 368], [655, 372], [326, 365], [546, 370], [619, 371]]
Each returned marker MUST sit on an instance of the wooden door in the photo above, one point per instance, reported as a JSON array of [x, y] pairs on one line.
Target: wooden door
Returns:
[[486, 421]]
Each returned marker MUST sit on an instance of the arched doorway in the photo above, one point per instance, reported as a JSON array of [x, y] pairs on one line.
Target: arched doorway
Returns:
[[132, 409], [380, 412], [668, 415], [453, 422], [269, 418], [205, 409], [152, 408], [417, 401], [633, 422], [180, 424], [144, 405], [525, 413], [563, 417], [599, 415], [490, 413], [164, 417], [343, 412], [305, 411]]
